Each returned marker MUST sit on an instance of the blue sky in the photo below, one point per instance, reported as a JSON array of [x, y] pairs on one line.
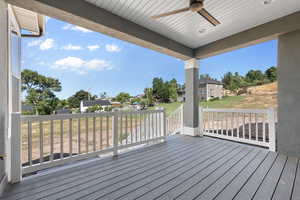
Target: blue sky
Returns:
[[82, 59]]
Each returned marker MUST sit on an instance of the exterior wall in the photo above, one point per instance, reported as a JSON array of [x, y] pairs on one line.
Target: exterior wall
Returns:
[[4, 88], [288, 134], [208, 91]]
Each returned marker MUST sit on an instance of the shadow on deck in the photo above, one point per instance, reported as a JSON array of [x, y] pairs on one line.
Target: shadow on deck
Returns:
[[182, 168]]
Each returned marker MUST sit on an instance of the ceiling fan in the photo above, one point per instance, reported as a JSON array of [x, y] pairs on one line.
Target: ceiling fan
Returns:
[[195, 6]]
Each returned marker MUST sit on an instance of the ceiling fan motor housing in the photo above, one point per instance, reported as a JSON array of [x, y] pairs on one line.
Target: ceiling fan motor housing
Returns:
[[195, 7]]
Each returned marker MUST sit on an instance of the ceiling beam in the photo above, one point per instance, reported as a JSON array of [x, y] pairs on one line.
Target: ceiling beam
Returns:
[[259, 34], [89, 16]]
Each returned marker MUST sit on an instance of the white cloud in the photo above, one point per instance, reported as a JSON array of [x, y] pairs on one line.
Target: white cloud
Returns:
[[112, 48], [76, 28], [34, 43], [47, 44], [71, 47], [82, 66], [93, 47]]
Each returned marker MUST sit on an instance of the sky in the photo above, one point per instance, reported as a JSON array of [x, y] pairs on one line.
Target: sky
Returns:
[[82, 59]]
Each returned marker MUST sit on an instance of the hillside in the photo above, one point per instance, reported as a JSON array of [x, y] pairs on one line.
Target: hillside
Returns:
[[263, 96], [254, 97]]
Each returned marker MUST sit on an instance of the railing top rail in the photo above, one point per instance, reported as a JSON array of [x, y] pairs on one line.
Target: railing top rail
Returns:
[[257, 111], [26, 118]]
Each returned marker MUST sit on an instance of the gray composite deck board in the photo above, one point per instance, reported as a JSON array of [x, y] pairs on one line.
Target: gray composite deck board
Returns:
[[230, 190], [285, 185], [182, 168], [296, 190], [107, 165], [109, 176], [99, 190], [267, 188]]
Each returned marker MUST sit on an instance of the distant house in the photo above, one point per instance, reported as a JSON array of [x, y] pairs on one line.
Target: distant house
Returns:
[[84, 105], [26, 108], [62, 111], [208, 89]]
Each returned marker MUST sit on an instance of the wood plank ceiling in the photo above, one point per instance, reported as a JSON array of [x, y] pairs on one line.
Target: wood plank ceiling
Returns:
[[190, 28]]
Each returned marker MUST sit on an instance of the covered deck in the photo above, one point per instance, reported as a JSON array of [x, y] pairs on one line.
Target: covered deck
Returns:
[[181, 168]]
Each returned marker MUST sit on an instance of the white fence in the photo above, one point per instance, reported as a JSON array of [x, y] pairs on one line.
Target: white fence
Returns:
[[242, 125], [175, 121], [52, 140]]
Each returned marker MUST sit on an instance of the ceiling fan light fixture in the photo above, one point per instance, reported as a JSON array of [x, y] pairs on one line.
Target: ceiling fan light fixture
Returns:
[[202, 30], [267, 2]]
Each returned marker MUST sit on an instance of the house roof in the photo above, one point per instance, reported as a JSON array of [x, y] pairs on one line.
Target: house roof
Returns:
[[209, 81], [100, 102], [26, 107], [63, 111]]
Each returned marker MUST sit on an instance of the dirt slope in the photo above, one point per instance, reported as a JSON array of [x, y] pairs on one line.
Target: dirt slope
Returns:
[[263, 96]]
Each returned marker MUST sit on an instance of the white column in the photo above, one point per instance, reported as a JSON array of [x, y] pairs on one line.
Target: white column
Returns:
[[4, 106], [191, 104]]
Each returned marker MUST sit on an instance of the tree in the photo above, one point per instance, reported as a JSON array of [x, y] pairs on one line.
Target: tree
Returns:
[[62, 104], [40, 91], [271, 74], [173, 88], [254, 76], [122, 97], [149, 96], [74, 101], [93, 109]]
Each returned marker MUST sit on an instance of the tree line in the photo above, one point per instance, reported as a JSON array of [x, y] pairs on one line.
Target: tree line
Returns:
[[235, 81], [40, 94], [40, 90]]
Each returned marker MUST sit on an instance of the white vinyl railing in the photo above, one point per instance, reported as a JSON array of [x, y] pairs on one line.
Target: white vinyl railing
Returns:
[[243, 125], [52, 140], [175, 121], [252, 126]]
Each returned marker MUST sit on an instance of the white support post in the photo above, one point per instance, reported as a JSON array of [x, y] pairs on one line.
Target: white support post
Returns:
[[163, 124], [272, 134], [115, 134], [14, 154], [181, 112], [200, 121], [191, 104]]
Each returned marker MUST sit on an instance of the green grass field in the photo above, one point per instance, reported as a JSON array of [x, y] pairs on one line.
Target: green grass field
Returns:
[[169, 107], [226, 102]]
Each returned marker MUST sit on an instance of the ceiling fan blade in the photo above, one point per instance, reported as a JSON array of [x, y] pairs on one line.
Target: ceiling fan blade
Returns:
[[171, 13], [204, 13]]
